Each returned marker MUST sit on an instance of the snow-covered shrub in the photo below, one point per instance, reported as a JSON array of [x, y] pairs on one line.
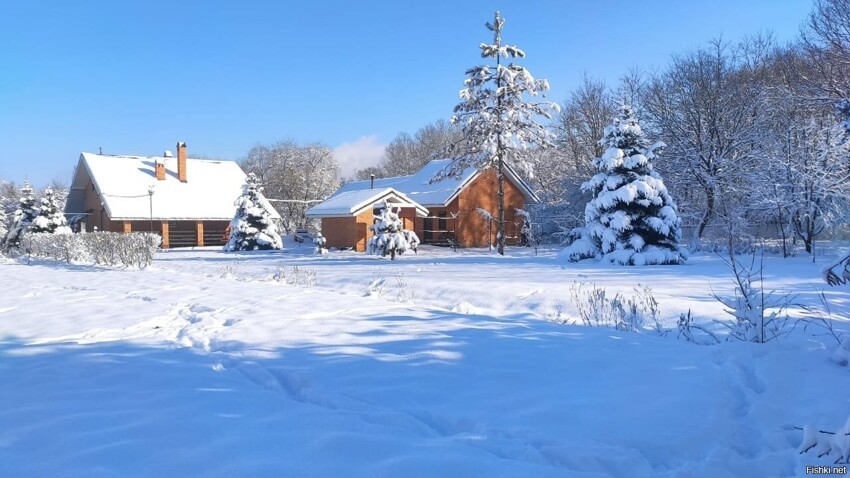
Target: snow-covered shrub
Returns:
[[822, 318], [838, 271], [389, 236], [825, 443], [758, 315], [383, 288], [320, 242], [487, 216], [134, 249], [841, 355], [50, 218], [629, 314], [303, 276], [22, 218], [252, 226], [631, 219], [693, 332], [405, 292], [528, 235]]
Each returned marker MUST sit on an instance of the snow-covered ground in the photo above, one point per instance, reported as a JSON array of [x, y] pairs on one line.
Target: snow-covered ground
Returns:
[[436, 364]]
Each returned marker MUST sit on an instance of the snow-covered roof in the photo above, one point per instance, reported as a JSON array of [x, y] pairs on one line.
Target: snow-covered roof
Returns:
[[122, 183], [351, 203], [438, 194]]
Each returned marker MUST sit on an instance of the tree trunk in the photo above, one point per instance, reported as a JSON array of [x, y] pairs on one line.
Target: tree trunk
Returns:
[[709, 211], [781, 226], [501, 179]]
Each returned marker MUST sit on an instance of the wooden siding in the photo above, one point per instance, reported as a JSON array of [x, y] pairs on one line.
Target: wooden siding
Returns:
[[482, 192], [348, 231]]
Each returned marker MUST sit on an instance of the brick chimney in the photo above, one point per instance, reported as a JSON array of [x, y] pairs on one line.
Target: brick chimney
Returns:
[[181, 161], [159, 168]]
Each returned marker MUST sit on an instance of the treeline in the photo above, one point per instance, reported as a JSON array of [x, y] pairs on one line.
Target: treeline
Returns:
[[756, 134]]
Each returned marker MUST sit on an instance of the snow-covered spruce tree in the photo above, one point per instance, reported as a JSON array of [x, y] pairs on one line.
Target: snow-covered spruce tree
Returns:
[[252, 227], [389, 235], [50, 219], [497, 121], [631, 219], [22, 218]]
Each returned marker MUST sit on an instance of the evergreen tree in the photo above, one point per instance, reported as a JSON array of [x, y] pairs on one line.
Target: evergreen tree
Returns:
[[50, 219], [22, 217], [631, 219], [390, 237], [498, 122], [252, 227]]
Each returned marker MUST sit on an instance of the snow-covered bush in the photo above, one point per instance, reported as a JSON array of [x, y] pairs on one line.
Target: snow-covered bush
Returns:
[[389, 236], [824, 443], [320, 242], [134, 249], [50, 218], [631, 219], [630, 314], [529, 235], [383, 288], [838, 271], [758, 315], [252, 227], [693, 332], [487, 216], [22, 218]]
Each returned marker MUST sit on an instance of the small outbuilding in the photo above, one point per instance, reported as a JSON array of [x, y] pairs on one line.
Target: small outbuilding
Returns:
[[347, 215]]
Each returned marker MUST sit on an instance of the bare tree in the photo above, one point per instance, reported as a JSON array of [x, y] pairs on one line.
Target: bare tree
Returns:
[[582, 121], [826, 42], [708, 106], [294, 176], [407, 154]]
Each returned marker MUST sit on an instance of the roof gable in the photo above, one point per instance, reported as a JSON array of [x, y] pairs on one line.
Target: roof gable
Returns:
[[351, 203], [122, 182]]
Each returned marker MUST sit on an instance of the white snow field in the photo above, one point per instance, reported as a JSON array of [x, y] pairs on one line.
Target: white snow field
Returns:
[[438, 364]]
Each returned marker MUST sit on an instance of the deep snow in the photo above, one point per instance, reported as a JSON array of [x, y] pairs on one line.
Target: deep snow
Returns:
[[205, 365]]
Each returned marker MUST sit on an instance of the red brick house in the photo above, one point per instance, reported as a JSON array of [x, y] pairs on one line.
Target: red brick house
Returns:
[[451, 207], [190, 202]]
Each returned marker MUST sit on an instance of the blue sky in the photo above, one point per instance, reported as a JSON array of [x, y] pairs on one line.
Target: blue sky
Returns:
[[134, 77]]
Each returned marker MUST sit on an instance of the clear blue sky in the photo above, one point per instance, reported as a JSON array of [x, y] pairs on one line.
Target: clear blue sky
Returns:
[[134, 77]]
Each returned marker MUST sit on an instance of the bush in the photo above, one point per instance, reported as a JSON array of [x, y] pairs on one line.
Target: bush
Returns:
[[135, 249], [629, 314]]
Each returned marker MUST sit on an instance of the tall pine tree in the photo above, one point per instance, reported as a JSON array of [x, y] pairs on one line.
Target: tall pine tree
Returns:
[[252, 227], [498, 121], [50, 219], [631, 219], [22, 217]]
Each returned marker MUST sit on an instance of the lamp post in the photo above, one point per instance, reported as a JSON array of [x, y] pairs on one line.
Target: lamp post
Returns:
[[150, 205]]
